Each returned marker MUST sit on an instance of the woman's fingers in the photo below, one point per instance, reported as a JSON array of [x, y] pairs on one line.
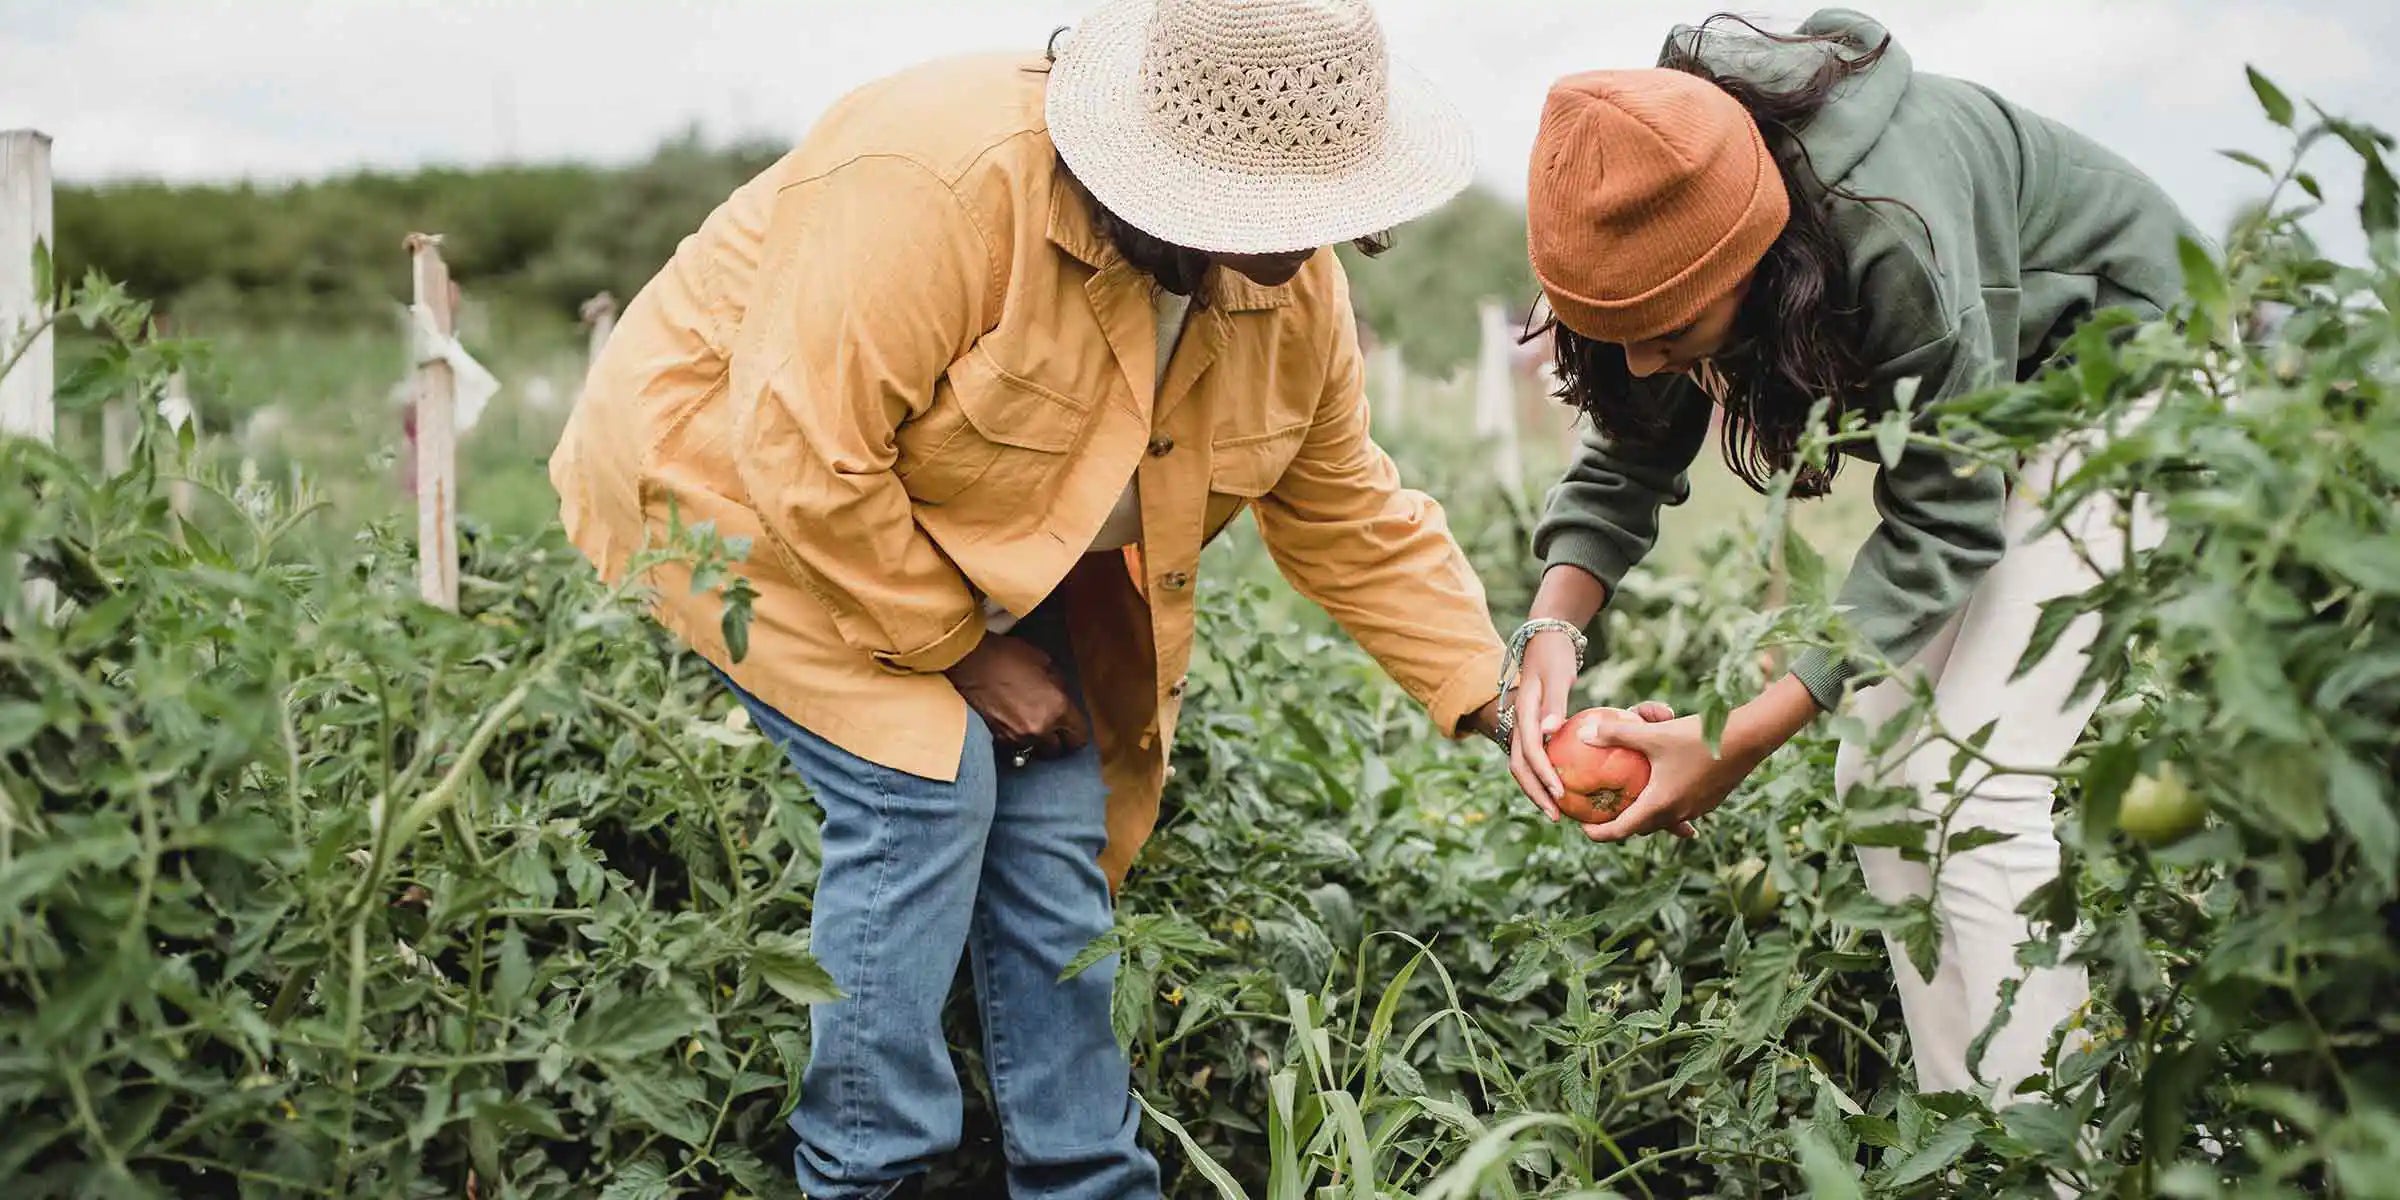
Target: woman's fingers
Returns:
[[1531, 786], [1654, 711], [1534, 719], [1644, 815], [1644, 736]]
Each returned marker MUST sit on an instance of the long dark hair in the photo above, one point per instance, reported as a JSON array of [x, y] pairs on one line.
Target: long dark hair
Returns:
[[1798, 334], [1179, 269]]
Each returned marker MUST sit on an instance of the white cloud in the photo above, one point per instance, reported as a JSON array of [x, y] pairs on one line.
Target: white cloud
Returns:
[[273, 89]]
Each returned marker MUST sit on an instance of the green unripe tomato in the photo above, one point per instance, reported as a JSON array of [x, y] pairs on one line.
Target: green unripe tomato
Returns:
[[1755, 895], [2159, 810]]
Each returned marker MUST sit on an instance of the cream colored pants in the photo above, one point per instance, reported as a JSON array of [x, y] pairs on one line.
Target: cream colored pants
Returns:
[[1948, 1004]]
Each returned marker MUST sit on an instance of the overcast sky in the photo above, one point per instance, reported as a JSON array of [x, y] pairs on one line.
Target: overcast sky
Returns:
[[277, 89]]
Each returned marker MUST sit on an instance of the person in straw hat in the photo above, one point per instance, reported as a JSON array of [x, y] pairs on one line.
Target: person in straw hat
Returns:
[[977, 370], [1767, 222]]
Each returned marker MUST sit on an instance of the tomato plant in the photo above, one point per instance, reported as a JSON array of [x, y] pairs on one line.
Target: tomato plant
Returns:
[[309, 890]]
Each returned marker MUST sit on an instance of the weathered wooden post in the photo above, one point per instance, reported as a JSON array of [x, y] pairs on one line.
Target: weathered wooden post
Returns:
[[1496, 397], [175, 408], [27, 368], [435, 398], [27, 400], [600, 316], [116, 437], [1387, 385]]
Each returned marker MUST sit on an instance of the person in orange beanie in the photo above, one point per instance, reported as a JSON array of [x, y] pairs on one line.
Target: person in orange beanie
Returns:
[[1767, 220]]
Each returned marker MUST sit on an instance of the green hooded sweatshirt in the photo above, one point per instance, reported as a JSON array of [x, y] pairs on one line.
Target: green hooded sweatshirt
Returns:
[[2026, 229]]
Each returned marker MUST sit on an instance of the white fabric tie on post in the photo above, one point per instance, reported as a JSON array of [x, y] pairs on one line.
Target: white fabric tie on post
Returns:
[[475, 386]]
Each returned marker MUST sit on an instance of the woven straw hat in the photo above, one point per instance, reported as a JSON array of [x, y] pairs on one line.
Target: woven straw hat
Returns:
[[1252, 126]]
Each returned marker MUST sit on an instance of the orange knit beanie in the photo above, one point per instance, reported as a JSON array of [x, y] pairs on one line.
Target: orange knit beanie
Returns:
[[1652, 195]]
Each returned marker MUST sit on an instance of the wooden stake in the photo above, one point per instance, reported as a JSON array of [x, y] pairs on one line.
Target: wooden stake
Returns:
[[28, 405], [1496, 398], [116, 437], [1387, 385], [437, 432], [176, 408], [600, 314], [26, 390]]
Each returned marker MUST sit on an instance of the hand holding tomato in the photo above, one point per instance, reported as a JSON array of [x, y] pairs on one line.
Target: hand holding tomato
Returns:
[[1598, 781], [1684, 780], [1592, 782]]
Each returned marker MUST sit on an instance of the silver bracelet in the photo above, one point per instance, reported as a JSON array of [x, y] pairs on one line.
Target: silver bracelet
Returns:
[[1512, 666]]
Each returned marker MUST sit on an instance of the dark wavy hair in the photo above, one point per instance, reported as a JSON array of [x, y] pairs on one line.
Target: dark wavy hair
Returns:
[[1797, 337], [1179, 269]]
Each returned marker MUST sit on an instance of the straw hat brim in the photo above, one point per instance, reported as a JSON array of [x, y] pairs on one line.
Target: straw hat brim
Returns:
[[1100, 122]]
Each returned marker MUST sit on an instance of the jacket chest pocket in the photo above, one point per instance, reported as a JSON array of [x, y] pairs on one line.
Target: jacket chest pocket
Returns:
[[1242, 468], [988, 429]]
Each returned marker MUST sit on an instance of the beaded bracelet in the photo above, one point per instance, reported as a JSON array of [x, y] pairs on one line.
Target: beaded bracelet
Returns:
[[1513, 665]]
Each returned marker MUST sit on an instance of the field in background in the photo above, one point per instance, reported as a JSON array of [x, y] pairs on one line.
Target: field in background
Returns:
[[325, 406]]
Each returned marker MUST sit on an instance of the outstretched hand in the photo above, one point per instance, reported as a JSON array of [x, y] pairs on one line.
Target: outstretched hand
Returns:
[[1529, 761], [1687, 781]]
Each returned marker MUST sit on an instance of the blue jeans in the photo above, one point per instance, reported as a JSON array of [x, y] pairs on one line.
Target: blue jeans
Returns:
[[1001, 865]]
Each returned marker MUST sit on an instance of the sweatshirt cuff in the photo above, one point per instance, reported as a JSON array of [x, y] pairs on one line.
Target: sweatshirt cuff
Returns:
[[1468, 688], [1596, 553], [1826, 675], [939, 655]]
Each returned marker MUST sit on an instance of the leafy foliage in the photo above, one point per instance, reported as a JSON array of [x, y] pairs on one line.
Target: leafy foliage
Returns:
[[306, 889]]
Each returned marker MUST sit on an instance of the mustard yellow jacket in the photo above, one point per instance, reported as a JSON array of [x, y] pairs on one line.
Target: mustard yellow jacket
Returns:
[[905, 364]]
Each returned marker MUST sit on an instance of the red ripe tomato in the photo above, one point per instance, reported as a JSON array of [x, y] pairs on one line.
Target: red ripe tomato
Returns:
[[1600, 780]]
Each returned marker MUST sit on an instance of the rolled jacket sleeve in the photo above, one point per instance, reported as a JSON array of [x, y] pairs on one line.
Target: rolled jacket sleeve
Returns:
[[874, 279], [1377, 556]]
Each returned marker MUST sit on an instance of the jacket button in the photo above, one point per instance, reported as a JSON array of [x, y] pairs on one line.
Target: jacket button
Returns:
[[1161, 446], [1176, 581], [1176, 691]]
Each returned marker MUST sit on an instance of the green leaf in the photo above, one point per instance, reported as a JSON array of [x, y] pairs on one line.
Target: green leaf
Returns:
[[670, 1105], [1976, 839], [1527, 969], [1759, 991], [1892, 835], [2271, 98], [2364, 557], [2204, 282], [1891, 437], [630, 1026], [524, 1116], [1195, 1157], [1705, 1059], [2379, 210], [1803, 569], [19, 723], [784, 964], [1829, 1175], [514, 980], [642, 1179], [2046, 1127], [2057, 614], [45, 281], [2251, 161], [735, 624], [2357, 673], [1936, 1155], [1762, 1092], [2361, 799]]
